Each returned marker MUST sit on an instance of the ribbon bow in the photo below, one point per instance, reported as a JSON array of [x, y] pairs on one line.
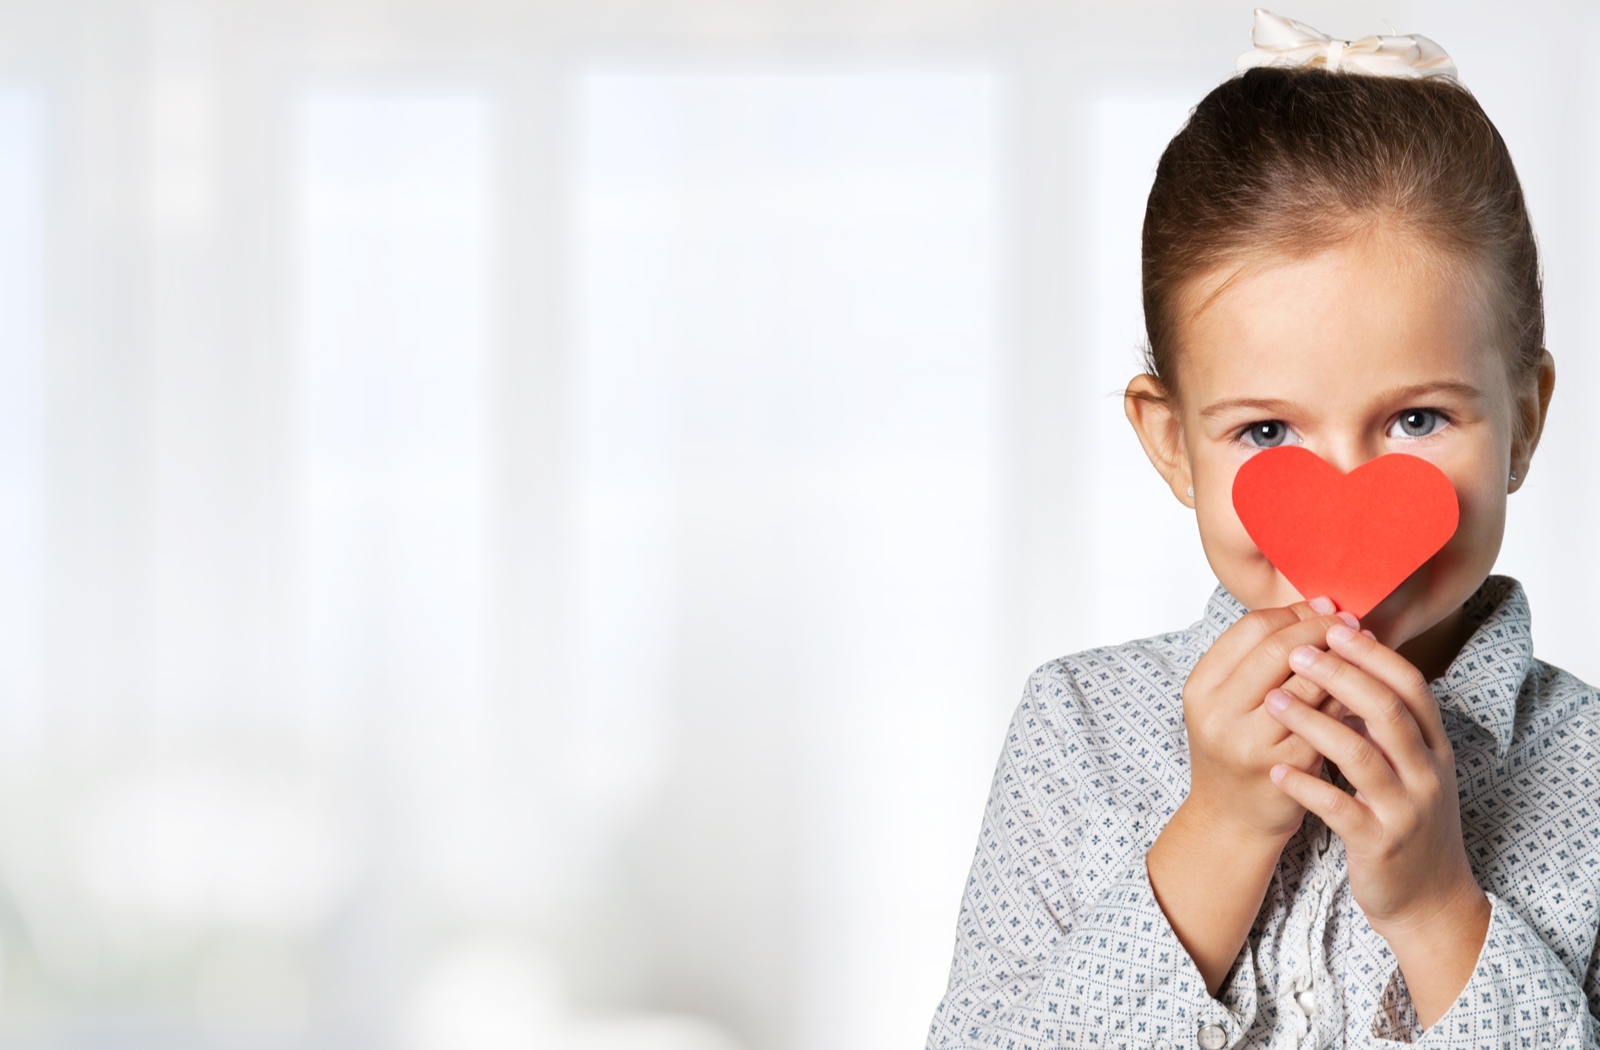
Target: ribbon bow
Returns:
[[1282, 41]]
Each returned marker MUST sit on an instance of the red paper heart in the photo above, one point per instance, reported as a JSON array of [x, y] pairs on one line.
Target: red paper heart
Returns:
[[1354, 537]]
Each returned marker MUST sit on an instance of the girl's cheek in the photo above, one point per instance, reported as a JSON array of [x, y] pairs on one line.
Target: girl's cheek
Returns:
[[1481, 501], [1218, 521], [1233, 555], [1479, 479], [1482, 505]]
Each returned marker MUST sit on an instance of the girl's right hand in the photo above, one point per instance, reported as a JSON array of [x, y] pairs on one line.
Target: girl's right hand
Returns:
[[1211, 865], [1233, 740]]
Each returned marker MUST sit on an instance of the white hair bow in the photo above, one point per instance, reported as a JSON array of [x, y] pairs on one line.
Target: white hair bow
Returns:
[[1282, 41]]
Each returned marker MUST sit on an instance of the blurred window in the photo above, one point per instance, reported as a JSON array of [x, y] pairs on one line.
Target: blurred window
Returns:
[[1149, 572], [396, 271], [787, 355], [21, 420], [395, 256]]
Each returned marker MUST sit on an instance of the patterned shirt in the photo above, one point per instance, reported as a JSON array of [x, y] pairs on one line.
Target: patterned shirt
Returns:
[[1061, 943]]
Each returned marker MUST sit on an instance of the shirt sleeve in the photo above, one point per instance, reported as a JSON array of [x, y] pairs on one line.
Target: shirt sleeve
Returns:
[[1060, 941], [1520, 994]]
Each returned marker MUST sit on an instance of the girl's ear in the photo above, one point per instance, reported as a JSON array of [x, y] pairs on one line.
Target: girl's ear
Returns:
[[1154, 415], [1532, 406]]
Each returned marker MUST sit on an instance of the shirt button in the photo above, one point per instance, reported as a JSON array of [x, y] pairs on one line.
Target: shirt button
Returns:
[[1212, 1037], [1317, 882], [1306, 1001]]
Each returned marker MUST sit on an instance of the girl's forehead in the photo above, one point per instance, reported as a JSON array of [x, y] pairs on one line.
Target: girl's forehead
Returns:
[[1366, 313]]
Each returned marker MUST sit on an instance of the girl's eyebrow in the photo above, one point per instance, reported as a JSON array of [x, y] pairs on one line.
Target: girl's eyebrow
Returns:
[[1278, 407], [1443, 386], [1271, 406]]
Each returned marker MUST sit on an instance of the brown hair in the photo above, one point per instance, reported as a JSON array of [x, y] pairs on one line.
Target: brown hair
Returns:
[[1281, 161]]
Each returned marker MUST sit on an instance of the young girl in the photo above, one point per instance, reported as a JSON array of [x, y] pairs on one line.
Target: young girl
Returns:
[[1285, 827]]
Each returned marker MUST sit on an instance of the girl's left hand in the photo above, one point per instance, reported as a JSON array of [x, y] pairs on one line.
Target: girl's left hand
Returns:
[[1402, 827]]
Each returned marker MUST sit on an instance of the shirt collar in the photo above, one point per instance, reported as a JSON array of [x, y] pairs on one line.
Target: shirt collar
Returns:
[[1482, 683], [1484, 680]]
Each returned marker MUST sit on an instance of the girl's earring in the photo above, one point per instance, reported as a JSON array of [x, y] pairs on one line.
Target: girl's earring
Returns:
[[1191, 487], [1513, 478]]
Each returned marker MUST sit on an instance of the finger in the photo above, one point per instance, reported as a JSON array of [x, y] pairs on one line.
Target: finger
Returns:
[[1388, 719], [1249, 631], [1305, 690], [1267, 665], [1313, 695], [1396, 672], [1348, 818], [1363, 764], [1273, 733], [1270, 741]]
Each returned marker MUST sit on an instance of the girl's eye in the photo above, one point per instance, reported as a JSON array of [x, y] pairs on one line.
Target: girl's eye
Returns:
[[1416, 422], [1269, 433]]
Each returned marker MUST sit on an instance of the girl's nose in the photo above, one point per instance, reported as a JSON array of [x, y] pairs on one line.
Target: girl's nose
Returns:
[[1348, 451]]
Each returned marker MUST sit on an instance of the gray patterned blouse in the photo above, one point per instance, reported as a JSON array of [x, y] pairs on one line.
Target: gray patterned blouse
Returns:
[[1060, 942]]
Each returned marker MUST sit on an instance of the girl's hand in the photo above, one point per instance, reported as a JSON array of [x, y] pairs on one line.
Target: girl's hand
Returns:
[[1402, 827], [1210, 866], [1233, 741]]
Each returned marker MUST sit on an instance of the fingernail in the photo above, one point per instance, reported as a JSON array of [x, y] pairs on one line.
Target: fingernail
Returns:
[[1303, 657], [1277, 773], [1277, 700], [1340, 633], [1354, 623], [1369, 634], [1324, 606]]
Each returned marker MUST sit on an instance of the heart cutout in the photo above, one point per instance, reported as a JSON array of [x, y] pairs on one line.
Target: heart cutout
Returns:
[[1354, 537]]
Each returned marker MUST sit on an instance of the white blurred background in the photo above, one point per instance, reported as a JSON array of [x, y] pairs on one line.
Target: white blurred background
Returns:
[[522, 523]]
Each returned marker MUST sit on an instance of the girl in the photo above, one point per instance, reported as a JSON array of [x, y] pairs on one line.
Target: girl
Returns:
[[1336, 255]]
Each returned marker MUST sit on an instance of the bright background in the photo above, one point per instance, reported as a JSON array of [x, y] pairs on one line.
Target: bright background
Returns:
[[521, 524]]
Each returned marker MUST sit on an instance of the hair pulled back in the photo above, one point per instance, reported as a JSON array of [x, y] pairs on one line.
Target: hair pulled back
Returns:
[[1292, 161]]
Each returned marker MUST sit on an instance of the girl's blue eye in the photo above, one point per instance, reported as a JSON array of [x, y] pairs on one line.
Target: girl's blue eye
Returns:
[[1416, 422], [1269, 433]]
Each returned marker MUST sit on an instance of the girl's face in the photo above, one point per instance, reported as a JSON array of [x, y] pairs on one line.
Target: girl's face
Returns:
[[1367, 348]]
